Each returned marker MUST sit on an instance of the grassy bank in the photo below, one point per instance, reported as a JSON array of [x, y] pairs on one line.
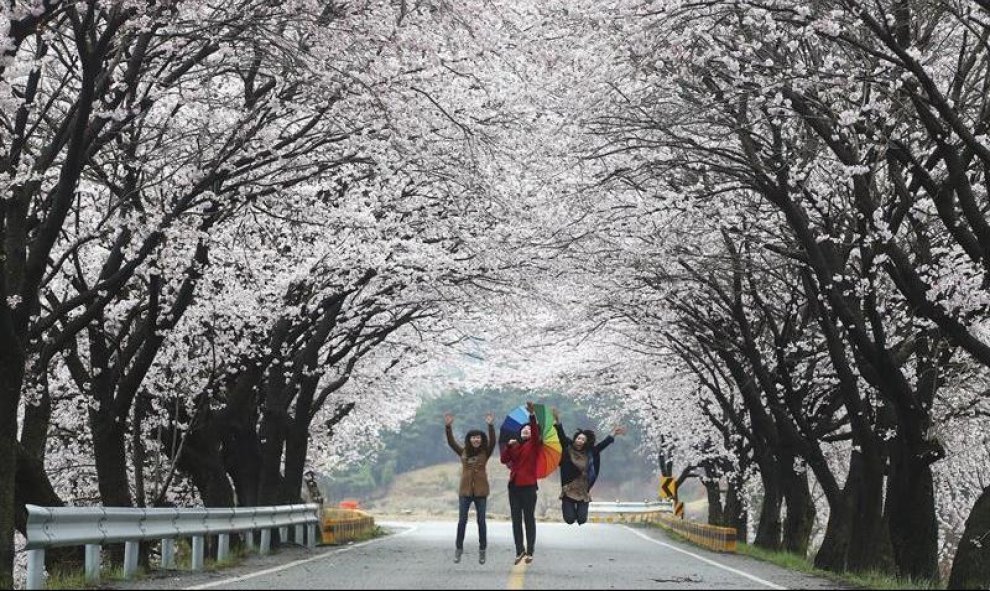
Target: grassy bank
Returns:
[[76, 579], [874, 580], [796, 563]]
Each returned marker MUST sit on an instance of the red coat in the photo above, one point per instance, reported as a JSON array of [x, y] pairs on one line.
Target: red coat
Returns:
[[522, 458]]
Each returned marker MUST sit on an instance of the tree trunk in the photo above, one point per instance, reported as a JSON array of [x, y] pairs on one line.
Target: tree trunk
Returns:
[[769, 528], [11, 375], [971, 567], [296, 445], [139, 451], [8, 467], [201, 460], [34, 488], [735, 514], [111, 459], [911, 513], [869, 546], [237, 426], [716, 514], [110, 454], [833, 554], [37, 420], [801, 512], [273, 434], [242, 460]]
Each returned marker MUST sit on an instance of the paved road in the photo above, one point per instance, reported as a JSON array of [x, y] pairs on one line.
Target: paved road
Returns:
[[420, 556]]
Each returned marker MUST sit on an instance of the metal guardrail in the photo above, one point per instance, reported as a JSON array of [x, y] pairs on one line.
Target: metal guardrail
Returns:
[[345, 525], [93, 527], [719, 539], [620, 512], [630, 507]]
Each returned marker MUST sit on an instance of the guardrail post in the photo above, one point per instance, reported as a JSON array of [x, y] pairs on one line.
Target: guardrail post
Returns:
[[131, 550], [283, 535], [299, 535], [249, 540], [311, 535], [197, 553], [223, 547], [168, 554], [266, 542], [92, 563], [36, 569]]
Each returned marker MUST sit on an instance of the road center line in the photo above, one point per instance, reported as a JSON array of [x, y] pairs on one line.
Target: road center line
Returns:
[[517, 577], [301, 562], [706, 560]]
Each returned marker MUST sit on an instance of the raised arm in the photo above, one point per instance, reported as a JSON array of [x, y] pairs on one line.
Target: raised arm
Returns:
[[448, 420], [534, 426], [490, 419], [604, 443], [565, 442], [535, 432], [610, 439]]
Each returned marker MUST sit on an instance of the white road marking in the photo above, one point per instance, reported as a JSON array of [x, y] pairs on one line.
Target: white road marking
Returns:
[[706, 560], [301, 562]]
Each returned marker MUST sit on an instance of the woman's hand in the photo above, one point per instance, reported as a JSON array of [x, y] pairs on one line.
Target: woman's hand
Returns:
[[490, 418], [530, 407], [620, 430], [448, 419]]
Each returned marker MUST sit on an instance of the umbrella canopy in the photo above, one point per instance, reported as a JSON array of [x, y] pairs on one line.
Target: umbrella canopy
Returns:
[[550, 451]]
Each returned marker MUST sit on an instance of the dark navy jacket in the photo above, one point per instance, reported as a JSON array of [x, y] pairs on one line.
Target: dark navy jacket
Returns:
[[568, 471]]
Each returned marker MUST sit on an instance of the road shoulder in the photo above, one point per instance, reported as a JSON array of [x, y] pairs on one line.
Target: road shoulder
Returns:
[[250, 566], [771, 575]]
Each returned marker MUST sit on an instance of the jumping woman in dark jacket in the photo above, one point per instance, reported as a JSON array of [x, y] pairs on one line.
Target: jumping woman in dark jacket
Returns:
[[580, 466], [478, 448]]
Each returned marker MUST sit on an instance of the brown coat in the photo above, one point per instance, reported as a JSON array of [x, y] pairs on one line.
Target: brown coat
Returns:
[[474, 474]]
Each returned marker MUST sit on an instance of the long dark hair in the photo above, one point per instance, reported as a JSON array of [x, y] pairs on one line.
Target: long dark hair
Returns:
[[470, 449], [587, 433]]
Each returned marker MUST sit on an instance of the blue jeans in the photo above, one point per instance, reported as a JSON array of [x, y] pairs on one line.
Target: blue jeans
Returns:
[[480, 504]]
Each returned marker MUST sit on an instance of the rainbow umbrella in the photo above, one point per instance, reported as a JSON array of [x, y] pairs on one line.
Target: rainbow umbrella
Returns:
[[550, 450]]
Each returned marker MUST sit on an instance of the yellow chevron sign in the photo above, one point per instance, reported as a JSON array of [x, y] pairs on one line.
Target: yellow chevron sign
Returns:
[[668, 487], [679, 509]]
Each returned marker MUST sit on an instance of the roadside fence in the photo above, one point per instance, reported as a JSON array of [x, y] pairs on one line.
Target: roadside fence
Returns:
[[93, 527]]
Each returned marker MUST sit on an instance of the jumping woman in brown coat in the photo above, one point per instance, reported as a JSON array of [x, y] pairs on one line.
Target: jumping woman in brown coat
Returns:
[[477, 449]]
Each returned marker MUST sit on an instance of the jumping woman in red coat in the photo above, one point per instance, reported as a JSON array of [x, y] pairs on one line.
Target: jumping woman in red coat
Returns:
[[521, 457]]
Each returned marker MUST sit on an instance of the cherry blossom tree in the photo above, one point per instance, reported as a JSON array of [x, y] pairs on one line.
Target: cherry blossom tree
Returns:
[[233, 234], [752, 101]]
